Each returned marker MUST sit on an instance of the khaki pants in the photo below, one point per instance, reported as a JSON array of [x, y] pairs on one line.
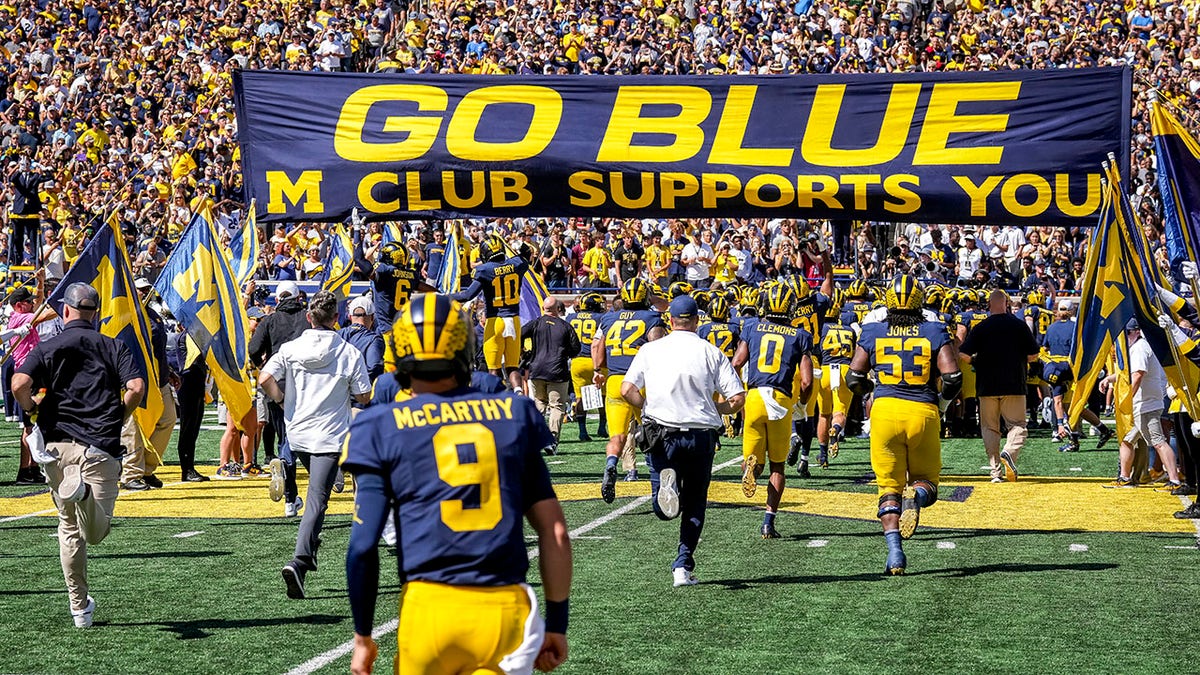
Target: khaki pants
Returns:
[[1012, 410], [85, 522], [552, 396], [137, 461]]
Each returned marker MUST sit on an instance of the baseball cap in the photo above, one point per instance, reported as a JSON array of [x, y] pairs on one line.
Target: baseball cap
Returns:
[[1064, 305], [22, 294], [255, 313], [361, 304], [141, 283], [81, 296], [969, 236], [684, 307], [286, 289], [1132, 325]]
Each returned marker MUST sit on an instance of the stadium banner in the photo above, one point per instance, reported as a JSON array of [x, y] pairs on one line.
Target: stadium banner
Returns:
[[1012, 147]]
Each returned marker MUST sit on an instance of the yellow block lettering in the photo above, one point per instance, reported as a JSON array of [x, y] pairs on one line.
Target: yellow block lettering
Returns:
[[807, 191], [588, 195], [476, 409], [683, 128], [714, 186], [861, 181], [418, 418], [1062, 195], [366, 192], [431, 413], [306, 188], [754, 197], [506, 404], [490, 410], [421, 131], [906, 201], [403, 417], [727, 145], [942, 119], [978, 193], [674, 184], [510, 188], [622, 199], [447, 413], [817, 144], [1008, 195], [412, 185], [547, 113], [450, 190], [462, 411]]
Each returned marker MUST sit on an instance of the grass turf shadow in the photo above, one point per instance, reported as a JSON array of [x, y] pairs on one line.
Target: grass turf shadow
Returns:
[[964, 572], [203, 628]]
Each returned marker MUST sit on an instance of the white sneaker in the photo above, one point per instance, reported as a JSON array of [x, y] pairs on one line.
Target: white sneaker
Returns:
[[668, 494], [997, 479], [71, 488], [292, 509], [83, 617], [684, 577]]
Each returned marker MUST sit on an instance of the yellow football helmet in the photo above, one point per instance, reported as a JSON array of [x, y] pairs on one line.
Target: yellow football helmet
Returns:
[[718, 309], [749, 301], [591, 302], [934, 295], [433, 337], [394, 253], [679, 288], [858, 290], [1035, 297], [702, 298], [777, 303], [905, 293], [491, 249], [835, 306], [800, 288], [635, 292]]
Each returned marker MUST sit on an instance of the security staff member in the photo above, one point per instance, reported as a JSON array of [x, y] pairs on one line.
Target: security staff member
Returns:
[[92, 386], [193, 377], [552, 342], [680, 373]]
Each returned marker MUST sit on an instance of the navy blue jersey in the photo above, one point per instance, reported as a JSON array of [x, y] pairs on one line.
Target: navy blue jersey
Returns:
[[391, 289], [970, 319], [1040, 319], [854, 311], [462, 469], [905, 359], [775, 354], [837, 344], [810, 313], [500, 283], [1060, 336], [585, 324], [723, 336], [624, 333]]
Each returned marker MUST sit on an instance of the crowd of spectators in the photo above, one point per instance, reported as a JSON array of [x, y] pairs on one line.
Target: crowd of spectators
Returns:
[[124, 109]]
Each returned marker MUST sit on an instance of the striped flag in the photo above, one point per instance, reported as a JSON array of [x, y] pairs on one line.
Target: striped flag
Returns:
[[245, 247], [449, 277], [339, 264], [533, 290], [1178, 156]]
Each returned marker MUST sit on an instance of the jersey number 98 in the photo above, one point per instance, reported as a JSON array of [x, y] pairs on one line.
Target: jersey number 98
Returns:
[[484, 472]]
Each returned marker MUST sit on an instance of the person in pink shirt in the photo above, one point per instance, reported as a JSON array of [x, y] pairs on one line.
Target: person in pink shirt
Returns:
[[22, 341]]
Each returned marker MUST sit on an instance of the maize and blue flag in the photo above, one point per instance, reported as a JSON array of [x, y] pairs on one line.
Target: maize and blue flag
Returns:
[[245, 247], [392, 232], [198, 285], [104, 265], [1178, 172], [1104, 306], [339, 264], [449, 277], [533, 291]]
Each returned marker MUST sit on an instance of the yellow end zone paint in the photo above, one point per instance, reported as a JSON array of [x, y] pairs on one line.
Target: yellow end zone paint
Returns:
[[1052, 503]]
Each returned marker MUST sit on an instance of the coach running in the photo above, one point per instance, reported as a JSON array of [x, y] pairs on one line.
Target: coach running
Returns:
[[680, 373]]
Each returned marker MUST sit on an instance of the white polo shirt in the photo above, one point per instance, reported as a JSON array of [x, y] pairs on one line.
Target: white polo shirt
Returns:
[[680, 373]]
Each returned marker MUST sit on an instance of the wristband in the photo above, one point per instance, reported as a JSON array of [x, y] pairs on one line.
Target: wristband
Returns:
[[556, 616]]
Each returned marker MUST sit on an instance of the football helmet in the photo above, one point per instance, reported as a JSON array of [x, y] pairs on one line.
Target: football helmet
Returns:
[[799, 286], [858, 290], [491, 249], [591, 302], [905, 293], [718, 309], [748, 305], [394, 253], [433, 337], [1035, 297], [777, 303], [679, 288], [635, 292], [702, 298]]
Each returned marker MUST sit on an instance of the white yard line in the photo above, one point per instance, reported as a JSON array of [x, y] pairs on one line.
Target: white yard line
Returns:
[[1195, 523], [185, 535], [324, 659]]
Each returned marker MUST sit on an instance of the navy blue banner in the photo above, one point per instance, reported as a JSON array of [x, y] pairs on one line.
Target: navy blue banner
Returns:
[[1012, 147]]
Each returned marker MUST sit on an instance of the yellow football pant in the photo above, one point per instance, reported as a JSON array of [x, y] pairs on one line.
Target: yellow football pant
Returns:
[[831, 403], [904, 443], [499, 351], [456, 630], [763, 437], [582, 370], [968, 386], [617, 412]]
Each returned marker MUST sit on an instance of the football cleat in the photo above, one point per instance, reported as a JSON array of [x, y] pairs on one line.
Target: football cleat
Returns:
[[896, 562], [1010, 467], [608, 484], [823, 460], [910, 512], [1106, 434], [834, 442], [749, 480], [631, 476], [793, 450], [768, 531], [803, 469], [1192, 511], [668, 494], [275, 487]]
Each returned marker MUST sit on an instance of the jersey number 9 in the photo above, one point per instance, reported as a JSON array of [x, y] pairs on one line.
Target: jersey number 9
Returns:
[[484, 472], [907, 360]]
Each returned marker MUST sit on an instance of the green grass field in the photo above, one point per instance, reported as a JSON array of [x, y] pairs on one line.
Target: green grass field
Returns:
[[1016, 593]]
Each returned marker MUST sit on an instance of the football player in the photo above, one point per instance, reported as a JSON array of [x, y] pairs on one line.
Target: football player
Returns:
[[858, 303], [974, 311], [779, 374], [908, 355], [394, 281], [1056, 372], [619, 334], [724, 336], [461, 545], [836, 348], [499, 280], [584, 321], [810, 309]]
